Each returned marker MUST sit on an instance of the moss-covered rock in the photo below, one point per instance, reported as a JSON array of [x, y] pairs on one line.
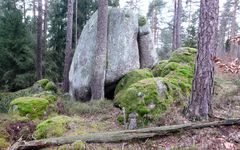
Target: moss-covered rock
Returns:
[[146, 97], [37, 88], [52, 127], [30, 107], [63, 125], [141, 94], [48, 95], [133, 77], [51, 87], [184, 55]]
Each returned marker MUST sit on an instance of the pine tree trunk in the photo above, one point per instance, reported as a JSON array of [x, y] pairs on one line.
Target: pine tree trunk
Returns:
[[202, 86], [24, 10], [76, 23], [39, 42], [34, 16], [98, 76], [68, 50], [177, 24], [45, 25], [233, 49]]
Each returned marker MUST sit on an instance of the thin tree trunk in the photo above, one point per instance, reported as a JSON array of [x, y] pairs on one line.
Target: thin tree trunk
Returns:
[[202, 86], [39, 52], [68, 50], [176, 43], [45, 25], [178, 24], [34, 16], [24, 10], [76, 24], [98, 76], [174, 26], [233, 49], [119, 136]]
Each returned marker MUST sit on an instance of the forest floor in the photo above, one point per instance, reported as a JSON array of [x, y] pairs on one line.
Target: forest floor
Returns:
[[226, 104], [101, 117]]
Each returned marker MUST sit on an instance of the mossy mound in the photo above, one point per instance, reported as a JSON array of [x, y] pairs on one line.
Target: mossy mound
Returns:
[[147, 97], [133, 77], [53, 127], [184, 55], [177, 72], [176, 75], [47, 95], [39, 87], [51, 87], [43, 82], [30, 107], [66, 126]]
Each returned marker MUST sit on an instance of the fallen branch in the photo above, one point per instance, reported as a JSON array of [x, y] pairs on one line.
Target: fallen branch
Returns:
[[119, 136]]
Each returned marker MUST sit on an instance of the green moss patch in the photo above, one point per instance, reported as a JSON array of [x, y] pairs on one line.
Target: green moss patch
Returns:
[[79, 145], [3, 143], [43, 82], [30, 107], [47, 95], [142, 20], [184, 55], [132, 77], [144, 98], [51, 87], [53, 127], [37, 88], [66, 126]]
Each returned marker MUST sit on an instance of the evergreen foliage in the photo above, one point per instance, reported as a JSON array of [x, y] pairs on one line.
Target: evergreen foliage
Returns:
[[16, 49]]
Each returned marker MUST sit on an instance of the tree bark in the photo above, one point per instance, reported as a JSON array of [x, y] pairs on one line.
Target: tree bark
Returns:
[[221, 50], [24, 10], [119, 136], [176, 43], [76, 23], [233, 49], [34, 16], [68, 50], [98, 76], [202, 86], [45, 25], [39, 52]]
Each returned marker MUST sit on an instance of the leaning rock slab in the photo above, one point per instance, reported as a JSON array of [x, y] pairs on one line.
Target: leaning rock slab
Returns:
[[148, 55]]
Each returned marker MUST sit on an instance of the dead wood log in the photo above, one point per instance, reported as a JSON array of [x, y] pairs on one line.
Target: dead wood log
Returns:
[[119, 136]]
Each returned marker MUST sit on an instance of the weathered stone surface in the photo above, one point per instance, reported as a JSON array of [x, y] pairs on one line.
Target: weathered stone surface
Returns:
[[123, 51], [148, 55]]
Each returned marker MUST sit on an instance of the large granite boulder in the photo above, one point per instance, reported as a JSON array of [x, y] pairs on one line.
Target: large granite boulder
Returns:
[[123, 51]]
